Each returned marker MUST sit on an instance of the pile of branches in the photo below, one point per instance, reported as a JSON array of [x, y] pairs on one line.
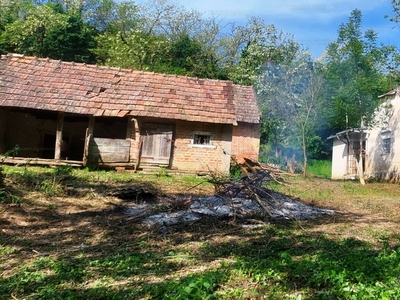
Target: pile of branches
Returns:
[[252, 185]]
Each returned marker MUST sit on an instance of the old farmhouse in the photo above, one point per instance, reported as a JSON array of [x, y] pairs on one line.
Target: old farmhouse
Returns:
[[54, 111]]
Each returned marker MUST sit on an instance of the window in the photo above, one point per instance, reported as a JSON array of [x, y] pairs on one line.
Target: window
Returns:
[[202, 139], [386, 143]]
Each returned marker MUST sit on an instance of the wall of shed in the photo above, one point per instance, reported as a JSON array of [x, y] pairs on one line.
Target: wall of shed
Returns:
[[246, 141], [3, 125], [385, 165], [339, 159], [25, 130]]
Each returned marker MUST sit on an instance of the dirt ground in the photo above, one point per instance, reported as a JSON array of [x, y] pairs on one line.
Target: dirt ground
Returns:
[[90, 218]]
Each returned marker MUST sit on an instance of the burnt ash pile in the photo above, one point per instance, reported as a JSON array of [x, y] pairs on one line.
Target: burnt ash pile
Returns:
[[243, 199]]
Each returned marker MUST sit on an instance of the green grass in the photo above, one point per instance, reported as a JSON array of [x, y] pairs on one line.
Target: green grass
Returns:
[[321, 168], [295, 266], [97, 254]]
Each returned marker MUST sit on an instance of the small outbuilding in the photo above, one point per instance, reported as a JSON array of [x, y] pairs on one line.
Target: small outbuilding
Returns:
[[379, 144], [72, 113]]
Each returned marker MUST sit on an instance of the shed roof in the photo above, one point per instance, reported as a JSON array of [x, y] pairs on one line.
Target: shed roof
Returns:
[[346, 132], [45, 84], [390, 93]]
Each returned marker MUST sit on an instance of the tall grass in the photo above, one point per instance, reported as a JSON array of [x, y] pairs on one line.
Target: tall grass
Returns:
[[321, 168]]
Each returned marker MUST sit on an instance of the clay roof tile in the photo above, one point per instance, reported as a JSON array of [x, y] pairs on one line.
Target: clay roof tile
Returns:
[[98, 90]]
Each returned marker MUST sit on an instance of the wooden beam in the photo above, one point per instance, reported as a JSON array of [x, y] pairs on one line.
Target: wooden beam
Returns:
[[88, 136], [38, 161], [91, 125], [59, 140]]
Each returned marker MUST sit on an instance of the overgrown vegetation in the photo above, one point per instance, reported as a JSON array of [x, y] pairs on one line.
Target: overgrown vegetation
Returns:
[[76, 243]]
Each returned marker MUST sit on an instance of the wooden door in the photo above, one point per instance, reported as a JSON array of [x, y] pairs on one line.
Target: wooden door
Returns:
[[157, 142]]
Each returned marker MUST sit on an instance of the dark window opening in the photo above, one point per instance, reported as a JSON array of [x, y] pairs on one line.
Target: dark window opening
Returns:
[[202, 139], [386, 143]]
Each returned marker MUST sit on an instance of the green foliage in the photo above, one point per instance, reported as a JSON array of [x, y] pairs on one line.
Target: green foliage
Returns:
[[2, 176], [218, 260], [135, 49], [5, 195], [322, 168], [351, 63], [48, 182], [291, 99], [235, 170], [259, 43], [28, 35], [162, 172], [13, 152]]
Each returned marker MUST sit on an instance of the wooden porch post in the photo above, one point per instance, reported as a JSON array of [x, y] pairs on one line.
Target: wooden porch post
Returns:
[[89, 135], [60, 125]]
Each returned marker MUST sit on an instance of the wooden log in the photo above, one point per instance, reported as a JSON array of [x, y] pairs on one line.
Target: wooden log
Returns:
[[38, 161]]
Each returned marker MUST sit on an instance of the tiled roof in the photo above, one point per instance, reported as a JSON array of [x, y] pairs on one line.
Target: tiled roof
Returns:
[[30, 82], [246, 104]]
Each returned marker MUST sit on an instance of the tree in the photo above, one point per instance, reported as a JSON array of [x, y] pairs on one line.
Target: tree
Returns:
[[290, 94], [252, 46], [393, 56], [11, 11], [135, 49], [71, 42], [28, 34], [353, 69], [47, 30]]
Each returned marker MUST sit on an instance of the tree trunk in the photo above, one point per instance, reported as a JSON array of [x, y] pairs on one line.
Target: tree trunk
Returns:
[[304, 153], [360, 160]]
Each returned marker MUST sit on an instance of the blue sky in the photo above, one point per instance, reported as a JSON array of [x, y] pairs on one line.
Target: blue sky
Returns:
[[312, 23]]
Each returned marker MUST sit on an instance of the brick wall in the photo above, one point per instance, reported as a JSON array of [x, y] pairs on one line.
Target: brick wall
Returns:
[[187, 156], [246, 141]]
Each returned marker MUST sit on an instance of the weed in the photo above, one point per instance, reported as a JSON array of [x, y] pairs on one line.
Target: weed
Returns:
[[235, 170], [51, 187], [8, 197], [63, 170], [13, 152], [2, 176], [162, 172], [52, 206], [6, 250]]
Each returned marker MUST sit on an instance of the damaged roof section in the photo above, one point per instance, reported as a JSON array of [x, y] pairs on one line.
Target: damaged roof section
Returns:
[[45, 84]]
